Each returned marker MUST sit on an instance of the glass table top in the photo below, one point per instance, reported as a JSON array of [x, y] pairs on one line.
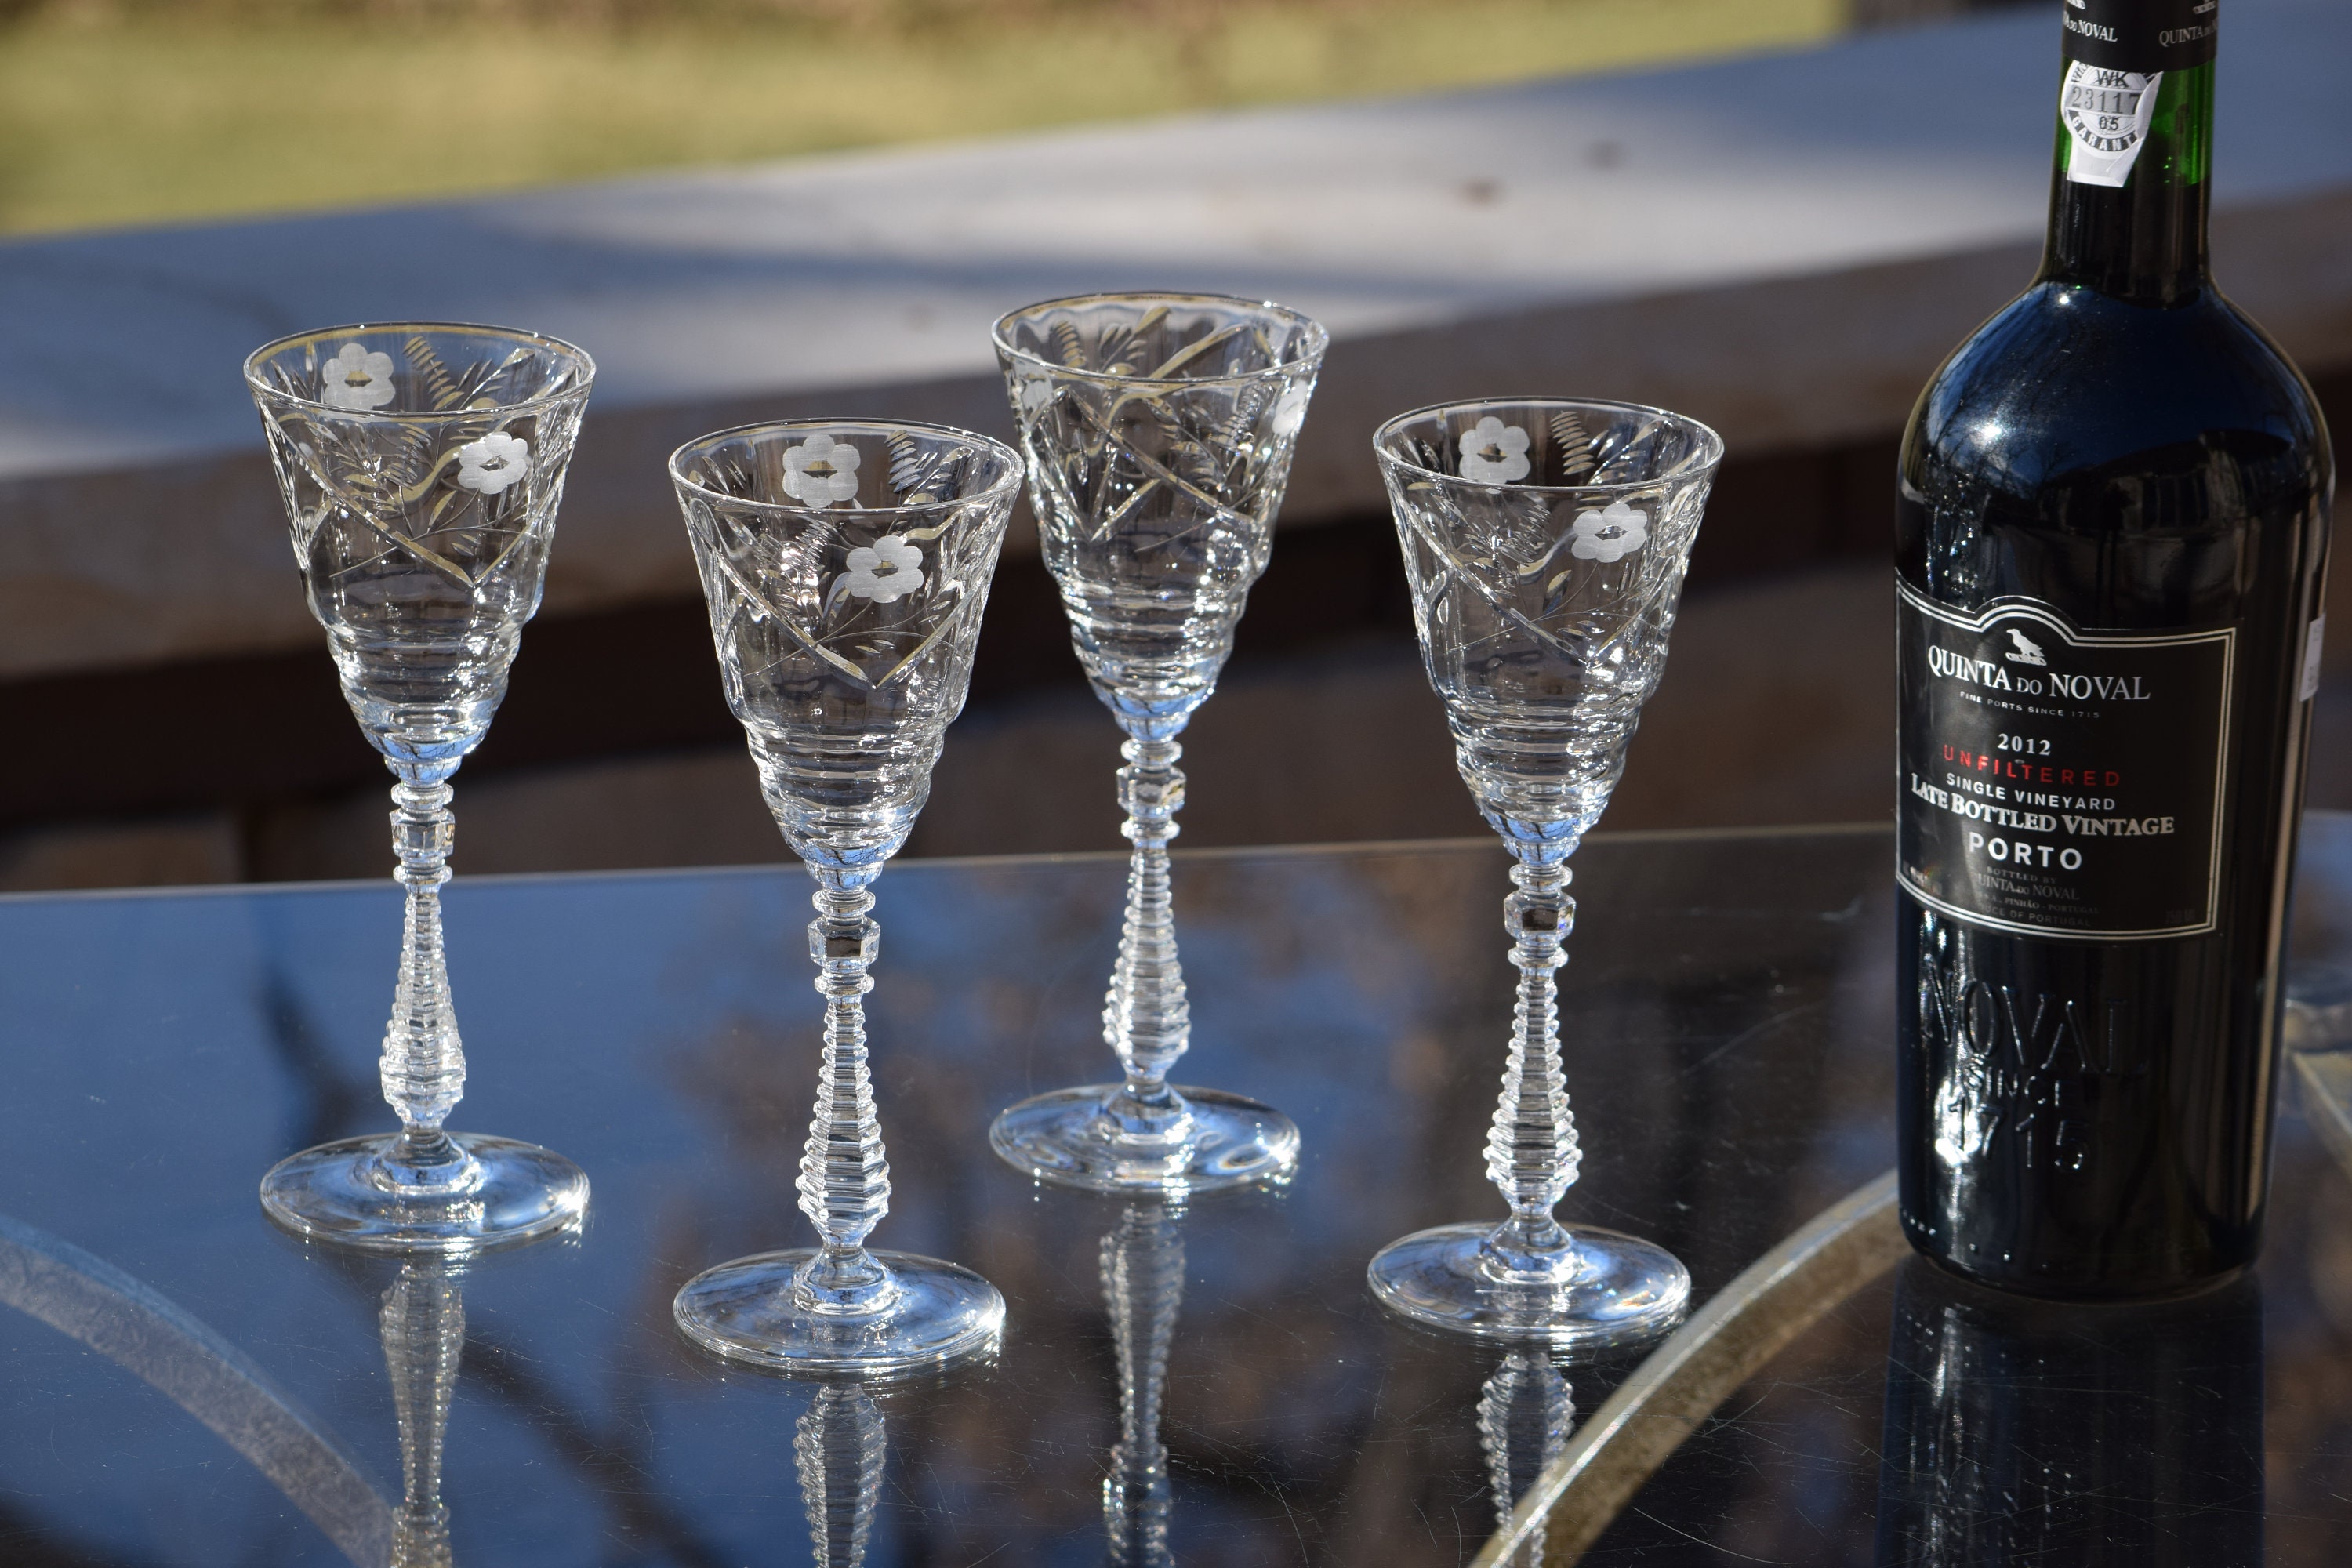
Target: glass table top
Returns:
[[182, 1385]]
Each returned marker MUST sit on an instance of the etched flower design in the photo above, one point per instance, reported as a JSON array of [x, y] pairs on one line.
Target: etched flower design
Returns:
[[1608, 534], [355, 378], [1495, 453], [493, 463], [890, 570], [821, 471], [1290, 410], [1036, 390]]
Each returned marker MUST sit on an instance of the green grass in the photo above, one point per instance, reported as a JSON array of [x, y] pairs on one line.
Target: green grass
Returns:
[[144, 116]]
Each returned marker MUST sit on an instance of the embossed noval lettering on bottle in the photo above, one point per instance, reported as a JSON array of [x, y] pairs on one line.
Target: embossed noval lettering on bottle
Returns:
[[2061, 782], [2021, 1069]]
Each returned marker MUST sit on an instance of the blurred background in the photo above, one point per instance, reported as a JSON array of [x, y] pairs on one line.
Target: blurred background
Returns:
[[1775, 215]]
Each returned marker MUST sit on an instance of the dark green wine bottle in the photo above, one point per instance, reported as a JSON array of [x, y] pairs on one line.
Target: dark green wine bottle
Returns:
[[2113, 527]]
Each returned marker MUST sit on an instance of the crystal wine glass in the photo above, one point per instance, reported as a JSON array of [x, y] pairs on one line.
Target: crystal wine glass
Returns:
[[1159, 432], [846, 565], [1545, 543], [421, 466]]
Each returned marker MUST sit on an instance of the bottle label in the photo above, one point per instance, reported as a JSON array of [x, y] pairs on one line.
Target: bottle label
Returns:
[[2056, 782], [2106, 114], [2142, 37]]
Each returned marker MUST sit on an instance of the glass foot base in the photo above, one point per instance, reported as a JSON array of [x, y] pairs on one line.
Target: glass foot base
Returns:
[[1621, 1289], [745, 1312], [496, 1193], [1222, 1141]]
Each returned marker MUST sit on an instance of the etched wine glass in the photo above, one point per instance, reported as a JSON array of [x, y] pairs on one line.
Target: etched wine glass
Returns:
[[1159, 431], [1545, 543], [421, 466], [846, 565]]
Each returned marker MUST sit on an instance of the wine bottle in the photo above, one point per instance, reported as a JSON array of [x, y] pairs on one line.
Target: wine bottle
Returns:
[[2111, 535]]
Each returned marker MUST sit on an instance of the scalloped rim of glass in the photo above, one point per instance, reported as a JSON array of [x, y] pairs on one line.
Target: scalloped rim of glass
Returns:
[[1319, 337], [1702, 462], [261, 388], [1010, 458]]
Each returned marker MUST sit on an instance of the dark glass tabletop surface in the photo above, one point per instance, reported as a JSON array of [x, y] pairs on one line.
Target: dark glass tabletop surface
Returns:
[[180, 1383]]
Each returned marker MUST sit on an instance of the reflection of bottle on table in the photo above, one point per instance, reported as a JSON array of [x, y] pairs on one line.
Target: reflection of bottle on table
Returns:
[[2025, 1432]]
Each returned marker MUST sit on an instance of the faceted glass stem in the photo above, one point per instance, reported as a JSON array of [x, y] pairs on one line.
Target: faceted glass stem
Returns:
[[837, 1308], [1532, 1278], [422, 1189], [1146, 1018], [845, 1181], [1531, 1151], [424, 1066], [1144, 1134], [1143, 1287]]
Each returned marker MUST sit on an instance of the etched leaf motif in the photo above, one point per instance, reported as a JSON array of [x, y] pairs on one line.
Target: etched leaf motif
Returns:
[[432, 376], [1573, 444], [1516, 526]]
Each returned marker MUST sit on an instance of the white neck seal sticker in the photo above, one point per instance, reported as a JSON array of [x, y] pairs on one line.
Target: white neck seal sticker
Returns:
[[2106, 113]]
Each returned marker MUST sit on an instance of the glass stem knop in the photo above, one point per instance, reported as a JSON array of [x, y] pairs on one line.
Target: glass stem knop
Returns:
[[424, 1066], [845, 1181], [1531, 1153], [1146, 1018]]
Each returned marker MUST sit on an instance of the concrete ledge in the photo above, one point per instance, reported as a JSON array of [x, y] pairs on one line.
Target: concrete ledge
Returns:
[[1784, 246]]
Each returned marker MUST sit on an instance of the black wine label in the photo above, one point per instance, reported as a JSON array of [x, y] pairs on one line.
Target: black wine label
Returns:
[[2056, 782], [2140, 36]]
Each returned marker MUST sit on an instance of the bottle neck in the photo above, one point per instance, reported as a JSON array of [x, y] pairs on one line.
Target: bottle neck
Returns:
[[2144, 239]]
